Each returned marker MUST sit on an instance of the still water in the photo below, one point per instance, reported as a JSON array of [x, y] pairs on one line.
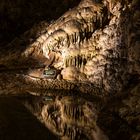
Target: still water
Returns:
[[53, 114]]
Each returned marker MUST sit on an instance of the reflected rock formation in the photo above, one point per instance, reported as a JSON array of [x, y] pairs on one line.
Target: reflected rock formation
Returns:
[[69, 117]]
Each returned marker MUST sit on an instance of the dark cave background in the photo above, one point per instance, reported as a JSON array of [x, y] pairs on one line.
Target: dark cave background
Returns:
[[17, 16]]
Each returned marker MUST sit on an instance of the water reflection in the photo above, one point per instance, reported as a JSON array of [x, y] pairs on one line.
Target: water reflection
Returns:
[[68, 115], [17, 123]]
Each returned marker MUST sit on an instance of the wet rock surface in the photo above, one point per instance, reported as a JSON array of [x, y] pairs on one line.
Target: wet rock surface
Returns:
[[78, 75]]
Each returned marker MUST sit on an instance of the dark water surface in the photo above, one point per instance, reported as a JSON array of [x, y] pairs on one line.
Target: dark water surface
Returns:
[[17, 123]]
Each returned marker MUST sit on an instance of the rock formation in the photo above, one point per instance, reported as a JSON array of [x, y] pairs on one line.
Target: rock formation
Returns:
[[94, 51]]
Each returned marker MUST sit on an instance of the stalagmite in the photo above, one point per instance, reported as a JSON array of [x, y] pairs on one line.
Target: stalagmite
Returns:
[[70, 61], [69, 112], [101, 20], [73, 61], [82, 67], [75, 37], [70, 37], [66, 62], [92, 28], [78, 39], [77, 61]]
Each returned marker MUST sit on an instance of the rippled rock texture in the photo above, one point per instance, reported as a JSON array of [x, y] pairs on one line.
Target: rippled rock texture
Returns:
[[81, 72]]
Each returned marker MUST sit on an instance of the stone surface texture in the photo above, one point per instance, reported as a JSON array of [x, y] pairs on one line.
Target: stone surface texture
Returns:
[[93, 46]]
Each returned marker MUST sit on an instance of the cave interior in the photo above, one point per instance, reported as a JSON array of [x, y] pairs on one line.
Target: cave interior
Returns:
[[69, 69]]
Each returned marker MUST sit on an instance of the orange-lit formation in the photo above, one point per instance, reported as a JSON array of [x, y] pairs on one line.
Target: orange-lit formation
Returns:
[[91, 50]]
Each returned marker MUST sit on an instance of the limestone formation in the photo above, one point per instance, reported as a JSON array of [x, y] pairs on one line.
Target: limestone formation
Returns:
[[92, 37], [93, 53]]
